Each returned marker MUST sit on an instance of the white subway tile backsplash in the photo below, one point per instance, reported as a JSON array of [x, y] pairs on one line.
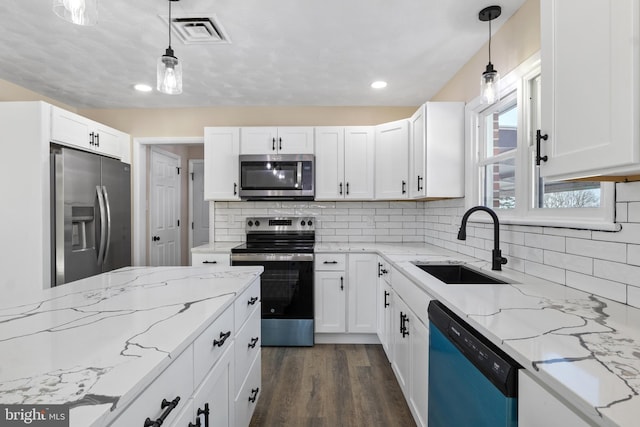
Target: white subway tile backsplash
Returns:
[[633, 254], [577, 263], [605, 288], [633, 296], [546, 272], [628, 192], [597, 249], [622, 212], [617, 271], [630, 233], [553, 243], [633, 212]]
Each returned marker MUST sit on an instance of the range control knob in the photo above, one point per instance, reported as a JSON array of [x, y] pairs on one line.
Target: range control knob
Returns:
[[257, 223], [302, 223], [309, 223], [250, 223]]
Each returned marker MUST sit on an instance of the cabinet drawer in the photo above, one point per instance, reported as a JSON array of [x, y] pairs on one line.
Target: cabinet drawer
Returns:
[[412, 294], [330, 262], [210, 259], [247, 346], [249, 394], [246, 302], [210, 345], [175, 381]]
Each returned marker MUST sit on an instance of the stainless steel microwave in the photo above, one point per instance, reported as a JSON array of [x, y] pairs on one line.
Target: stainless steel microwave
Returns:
[[273, 176]]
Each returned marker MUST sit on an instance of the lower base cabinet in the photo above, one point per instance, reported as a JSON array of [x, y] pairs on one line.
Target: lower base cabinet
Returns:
[[247, 398], [537, 407]]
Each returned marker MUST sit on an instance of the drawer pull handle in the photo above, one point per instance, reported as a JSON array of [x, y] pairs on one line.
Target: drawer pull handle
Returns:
[[252, 300], [253, 342], [254, 394], [386, 301], [168, 407], [223, 338], [330, 262], [209, 262], [197, 424]]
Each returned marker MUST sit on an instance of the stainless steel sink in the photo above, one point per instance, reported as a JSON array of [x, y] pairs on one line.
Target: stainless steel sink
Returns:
[[459, 274]]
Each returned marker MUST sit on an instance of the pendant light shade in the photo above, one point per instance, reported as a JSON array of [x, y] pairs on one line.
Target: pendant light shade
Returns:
[[169, 70], [490, 80], [79, 12]]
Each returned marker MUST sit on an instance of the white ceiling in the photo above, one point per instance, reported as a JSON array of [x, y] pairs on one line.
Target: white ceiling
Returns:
[[282, 52]]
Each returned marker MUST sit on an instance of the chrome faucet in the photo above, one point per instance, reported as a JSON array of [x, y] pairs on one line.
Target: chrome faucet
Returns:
[[496, 255]]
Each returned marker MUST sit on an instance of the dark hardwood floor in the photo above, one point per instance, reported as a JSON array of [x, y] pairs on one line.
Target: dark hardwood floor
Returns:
[[329, 385]]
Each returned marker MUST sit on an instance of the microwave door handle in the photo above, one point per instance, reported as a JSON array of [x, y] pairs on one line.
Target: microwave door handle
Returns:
[[299, 180]]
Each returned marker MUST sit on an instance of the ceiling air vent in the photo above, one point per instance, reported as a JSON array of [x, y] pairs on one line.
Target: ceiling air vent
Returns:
[[198, 30]]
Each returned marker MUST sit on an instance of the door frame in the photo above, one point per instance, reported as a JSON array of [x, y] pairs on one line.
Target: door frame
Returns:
[[190, 219], [140, 207]]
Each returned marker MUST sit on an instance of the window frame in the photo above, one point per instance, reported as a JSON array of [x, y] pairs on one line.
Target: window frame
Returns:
[[525, 212]]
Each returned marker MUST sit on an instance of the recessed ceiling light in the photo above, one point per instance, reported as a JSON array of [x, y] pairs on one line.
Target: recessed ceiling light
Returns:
[[141, 87], [379, 84]]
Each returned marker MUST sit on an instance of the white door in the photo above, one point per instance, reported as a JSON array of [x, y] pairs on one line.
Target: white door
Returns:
[[417, 145], [164, 209], [259, 140], [295, 140], [198, 207]]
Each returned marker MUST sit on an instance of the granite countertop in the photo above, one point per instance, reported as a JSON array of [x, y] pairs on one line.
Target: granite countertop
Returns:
[[585, 347], [96, 343], [214, 248]]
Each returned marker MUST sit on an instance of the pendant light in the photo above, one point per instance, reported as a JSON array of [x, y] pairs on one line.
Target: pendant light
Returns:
[[169, 68], [490, 81], [80, 12]]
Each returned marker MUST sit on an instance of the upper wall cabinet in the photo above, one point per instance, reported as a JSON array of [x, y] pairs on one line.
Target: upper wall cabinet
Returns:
[[590, 58], [436, 151], [392, 160], [221, 168], [71, 129], [274, 140], [344, 163]]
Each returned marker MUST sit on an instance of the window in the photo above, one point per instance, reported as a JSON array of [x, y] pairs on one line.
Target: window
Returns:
[[503, 155]]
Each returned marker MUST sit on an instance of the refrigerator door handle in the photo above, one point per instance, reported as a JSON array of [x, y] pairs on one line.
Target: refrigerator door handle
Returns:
[[103, 225], [108, 210]]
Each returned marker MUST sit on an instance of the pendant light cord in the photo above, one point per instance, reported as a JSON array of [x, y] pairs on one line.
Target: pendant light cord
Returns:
[[170, 29], [489, 42]]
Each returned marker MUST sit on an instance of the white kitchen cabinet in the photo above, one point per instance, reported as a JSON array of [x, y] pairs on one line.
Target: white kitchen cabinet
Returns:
[[590, 58], [344, 163], [392, 160], [345, 299], [401, 363], [384, 304], [436, 151], [538, 407], [221, 167], [213, 401], [276, 140], [70, 129], [419, 361], [361, 293]]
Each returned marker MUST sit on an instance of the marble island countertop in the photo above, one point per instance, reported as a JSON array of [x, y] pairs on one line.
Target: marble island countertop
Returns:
[[584, 347], [96, 343]]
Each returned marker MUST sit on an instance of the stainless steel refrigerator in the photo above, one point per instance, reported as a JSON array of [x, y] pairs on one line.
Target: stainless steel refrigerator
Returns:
[[90, 214]]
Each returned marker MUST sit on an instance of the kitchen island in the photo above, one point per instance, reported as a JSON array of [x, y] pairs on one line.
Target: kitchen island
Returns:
[[96, 344]]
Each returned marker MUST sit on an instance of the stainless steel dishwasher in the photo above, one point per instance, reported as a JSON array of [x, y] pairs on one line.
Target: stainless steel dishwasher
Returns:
[[471, 381]]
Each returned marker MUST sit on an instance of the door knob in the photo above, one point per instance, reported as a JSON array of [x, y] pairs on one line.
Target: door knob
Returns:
[[155, 238]]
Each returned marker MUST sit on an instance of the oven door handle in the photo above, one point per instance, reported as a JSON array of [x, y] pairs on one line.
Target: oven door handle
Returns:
[[271, 257]]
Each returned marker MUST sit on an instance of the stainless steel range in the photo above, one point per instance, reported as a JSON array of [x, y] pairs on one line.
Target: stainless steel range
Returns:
[[284, 247]]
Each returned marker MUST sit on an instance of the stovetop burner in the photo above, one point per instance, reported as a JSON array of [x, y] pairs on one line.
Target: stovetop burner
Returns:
[[278, 235]]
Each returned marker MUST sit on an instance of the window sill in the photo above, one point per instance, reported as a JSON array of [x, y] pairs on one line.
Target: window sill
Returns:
[[556, 223]]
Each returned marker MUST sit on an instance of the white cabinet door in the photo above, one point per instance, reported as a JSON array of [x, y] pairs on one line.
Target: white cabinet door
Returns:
[[417, 153], [401, 362], [259, 140], [272, 140], [537, 407], [330, 301], [70, 129], [359, 162], [107, 140], [221, 171], [384, 308], [590, 87], [363, 278], [295, 140], [419, 383], [392, 160], [215, 396], [329, 163]]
